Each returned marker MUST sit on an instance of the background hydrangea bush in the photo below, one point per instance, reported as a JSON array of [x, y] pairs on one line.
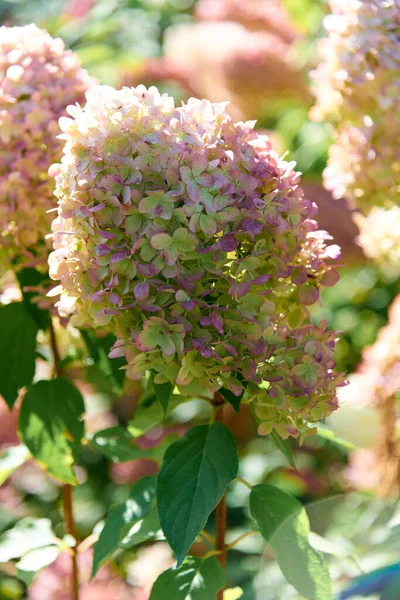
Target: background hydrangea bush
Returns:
[[357, 90], [39, 78]]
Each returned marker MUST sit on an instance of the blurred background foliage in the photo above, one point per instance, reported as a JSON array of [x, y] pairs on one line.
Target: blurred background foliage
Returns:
[[258, 55]]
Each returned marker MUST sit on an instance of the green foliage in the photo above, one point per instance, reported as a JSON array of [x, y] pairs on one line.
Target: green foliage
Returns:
[[330, 436], [28, 534], [117, 444], [17, 350], [10, 459], [122, 518], [32, 278], [233, 400], [163, 392], [143, 530], [150, 413], [195, 579], [284, 523], [193, 477], [284, 446], [33, 542], [99, 348], [51, 426]]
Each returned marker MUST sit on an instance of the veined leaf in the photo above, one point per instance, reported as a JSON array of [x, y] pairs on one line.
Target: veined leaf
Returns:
[[195, 579], [121, 519], [193, 478], [284, 523]]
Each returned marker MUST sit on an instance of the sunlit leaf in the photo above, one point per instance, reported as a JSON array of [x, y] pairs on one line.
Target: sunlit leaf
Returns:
[[51, 426]]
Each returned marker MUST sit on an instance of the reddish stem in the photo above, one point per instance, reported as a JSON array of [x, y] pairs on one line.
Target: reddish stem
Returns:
[[221, 510], [70, 529], [67, 489]]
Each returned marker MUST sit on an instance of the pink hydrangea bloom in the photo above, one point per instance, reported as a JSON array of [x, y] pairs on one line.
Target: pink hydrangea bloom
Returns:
[[358, 90], [38, 79], [186, 235]]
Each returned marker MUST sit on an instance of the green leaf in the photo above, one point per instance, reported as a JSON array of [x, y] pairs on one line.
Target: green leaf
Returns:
[[158, 452], [283, 522], [327, 434], [143, 531], [10, 459], [117, 444], [33, 278], [193, 478], [163, 392], [233, 400], [121, 519], [28, 534], [150, 413], [34, 560], [17, 350], [195, 579], [284, 446], [50, 426], [110, 368]]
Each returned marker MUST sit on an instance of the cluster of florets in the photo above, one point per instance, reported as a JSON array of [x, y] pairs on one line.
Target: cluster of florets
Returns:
[[380, 235], [377, 384], [358, 91], [38, 79], [187, 236]]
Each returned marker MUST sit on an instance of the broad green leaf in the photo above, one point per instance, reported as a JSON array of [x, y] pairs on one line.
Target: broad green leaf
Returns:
[[195, 579], [50, 426], [283, 522], [17, 350], [118, 444], [34, 560], [143, 531], [284, 446], [33, 278], [110, 368], [193, 478], [28, 534], [327, 434], [121, 519], [163, 392], [10, 459]]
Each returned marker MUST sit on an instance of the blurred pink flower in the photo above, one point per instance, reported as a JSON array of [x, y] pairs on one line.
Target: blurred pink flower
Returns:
[[53, 582], [257, 15]]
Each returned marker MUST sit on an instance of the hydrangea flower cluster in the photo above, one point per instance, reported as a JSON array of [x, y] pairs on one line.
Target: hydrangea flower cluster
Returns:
[[377, 384], [38, 79], [358, 91], [187, 236]]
